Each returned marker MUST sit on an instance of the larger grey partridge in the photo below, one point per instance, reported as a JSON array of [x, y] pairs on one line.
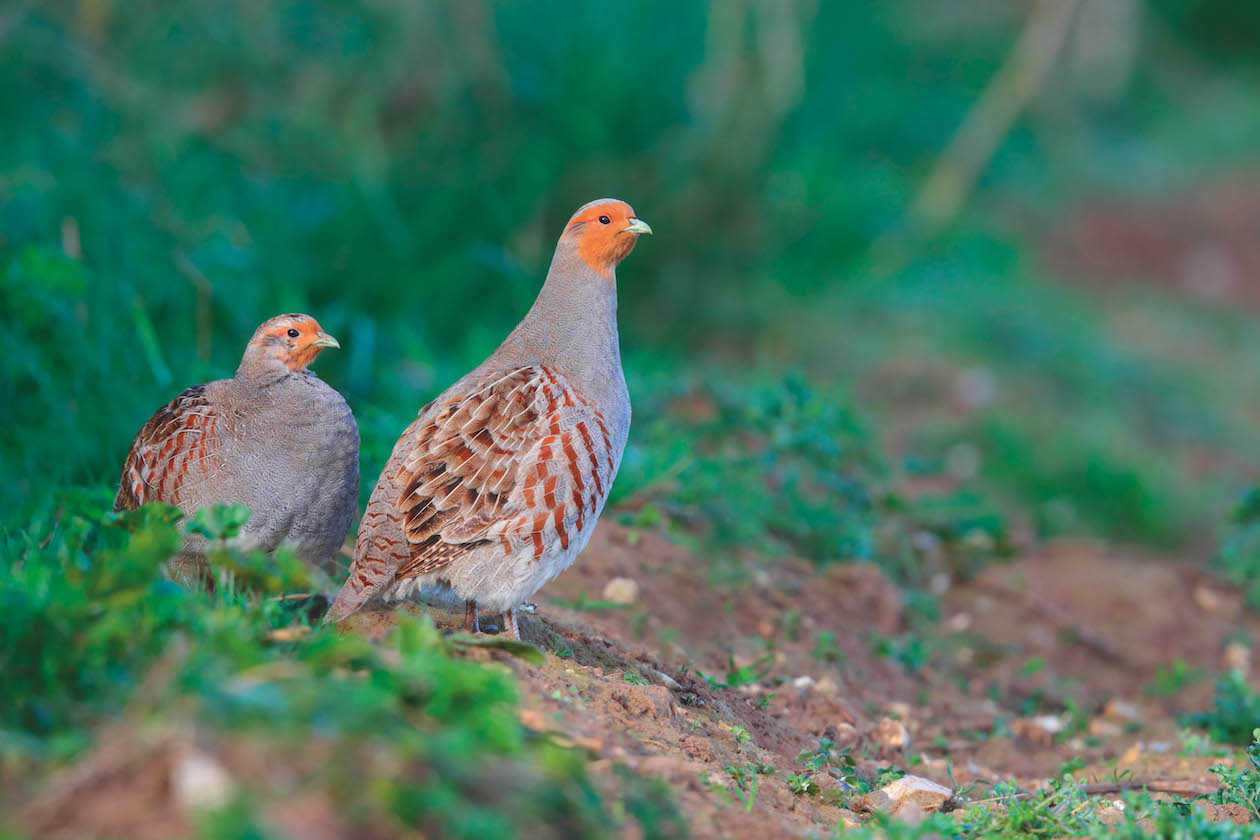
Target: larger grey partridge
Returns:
[[495, 488], [274, 438]]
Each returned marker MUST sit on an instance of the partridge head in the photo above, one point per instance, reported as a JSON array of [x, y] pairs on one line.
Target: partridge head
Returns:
[[603, 234], [288, 341]]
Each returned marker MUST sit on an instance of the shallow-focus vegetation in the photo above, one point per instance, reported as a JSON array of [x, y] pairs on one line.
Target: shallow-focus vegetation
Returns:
[[826, 361]]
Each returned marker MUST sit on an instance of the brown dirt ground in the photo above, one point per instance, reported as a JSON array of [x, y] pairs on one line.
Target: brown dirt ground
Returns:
[[1072, 626]]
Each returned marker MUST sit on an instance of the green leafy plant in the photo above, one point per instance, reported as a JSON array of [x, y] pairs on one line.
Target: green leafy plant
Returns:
[[1236, 708], [911, 650], [745, 778], [83, 641], [826, 649], [1239, 554], [1241, 786], [836, 763], [753, 672], [582, 604], [1059, 810], [802, 784], [1171, 679]]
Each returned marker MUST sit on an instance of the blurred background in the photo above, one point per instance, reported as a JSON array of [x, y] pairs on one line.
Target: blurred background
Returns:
[[930, 279]]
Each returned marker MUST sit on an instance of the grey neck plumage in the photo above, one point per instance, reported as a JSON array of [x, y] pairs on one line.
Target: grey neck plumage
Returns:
[[262, 369], [571, 327]]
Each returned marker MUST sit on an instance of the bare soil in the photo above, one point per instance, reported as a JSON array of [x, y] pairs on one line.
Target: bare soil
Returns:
[[1073, 630]]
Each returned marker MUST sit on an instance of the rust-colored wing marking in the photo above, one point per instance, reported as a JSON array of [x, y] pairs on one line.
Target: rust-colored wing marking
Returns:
[[521, 460], [178, 441]]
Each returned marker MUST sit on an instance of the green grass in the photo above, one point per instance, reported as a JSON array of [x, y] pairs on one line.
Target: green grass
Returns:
[[1063, 809], [171, 179], [92, 630], [1234, 713]]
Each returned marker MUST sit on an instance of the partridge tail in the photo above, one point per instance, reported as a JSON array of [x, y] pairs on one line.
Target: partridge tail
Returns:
[[365, 582], [373, 569], [347, 602], [124, 499]]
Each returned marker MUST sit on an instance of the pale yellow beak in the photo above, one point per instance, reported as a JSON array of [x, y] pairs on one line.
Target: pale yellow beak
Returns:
[[325, 340], [637, 226]]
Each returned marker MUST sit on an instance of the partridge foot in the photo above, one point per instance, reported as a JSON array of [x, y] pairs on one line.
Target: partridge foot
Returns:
[[510, 627]]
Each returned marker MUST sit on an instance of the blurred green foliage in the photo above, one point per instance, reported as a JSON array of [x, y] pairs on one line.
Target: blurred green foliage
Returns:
[[1235, 710], [1239, 555], [170, 178]]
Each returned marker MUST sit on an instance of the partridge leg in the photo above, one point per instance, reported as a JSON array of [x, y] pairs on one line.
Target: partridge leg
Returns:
[[470, 617], [510, 628]]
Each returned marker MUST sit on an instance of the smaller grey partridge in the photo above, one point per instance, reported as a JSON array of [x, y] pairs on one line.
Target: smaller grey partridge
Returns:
[[274, 438], [496, 487]]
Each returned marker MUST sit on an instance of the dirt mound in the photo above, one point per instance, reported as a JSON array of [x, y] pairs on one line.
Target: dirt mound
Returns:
[[717, 689]]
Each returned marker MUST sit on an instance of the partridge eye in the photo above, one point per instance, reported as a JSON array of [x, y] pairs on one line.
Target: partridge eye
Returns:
[[293, 333], [604, 220]]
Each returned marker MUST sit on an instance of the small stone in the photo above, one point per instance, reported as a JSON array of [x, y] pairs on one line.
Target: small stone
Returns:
[[532, 719], [892, 734], [293, 633], [844, 734], [660, 678], [1104, 728], [1121, 710], [1131, 755], [827, 687], [621, 590], [911, 796], [1108, 814], [201, 783], [1207, 599], [1038, 731]]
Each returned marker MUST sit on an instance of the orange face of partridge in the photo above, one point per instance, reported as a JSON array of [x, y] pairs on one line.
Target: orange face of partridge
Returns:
[[605, 233], [293, 339]]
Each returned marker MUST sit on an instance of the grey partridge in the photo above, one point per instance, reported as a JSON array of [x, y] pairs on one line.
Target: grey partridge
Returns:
[[274, 438], [495, 487]]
